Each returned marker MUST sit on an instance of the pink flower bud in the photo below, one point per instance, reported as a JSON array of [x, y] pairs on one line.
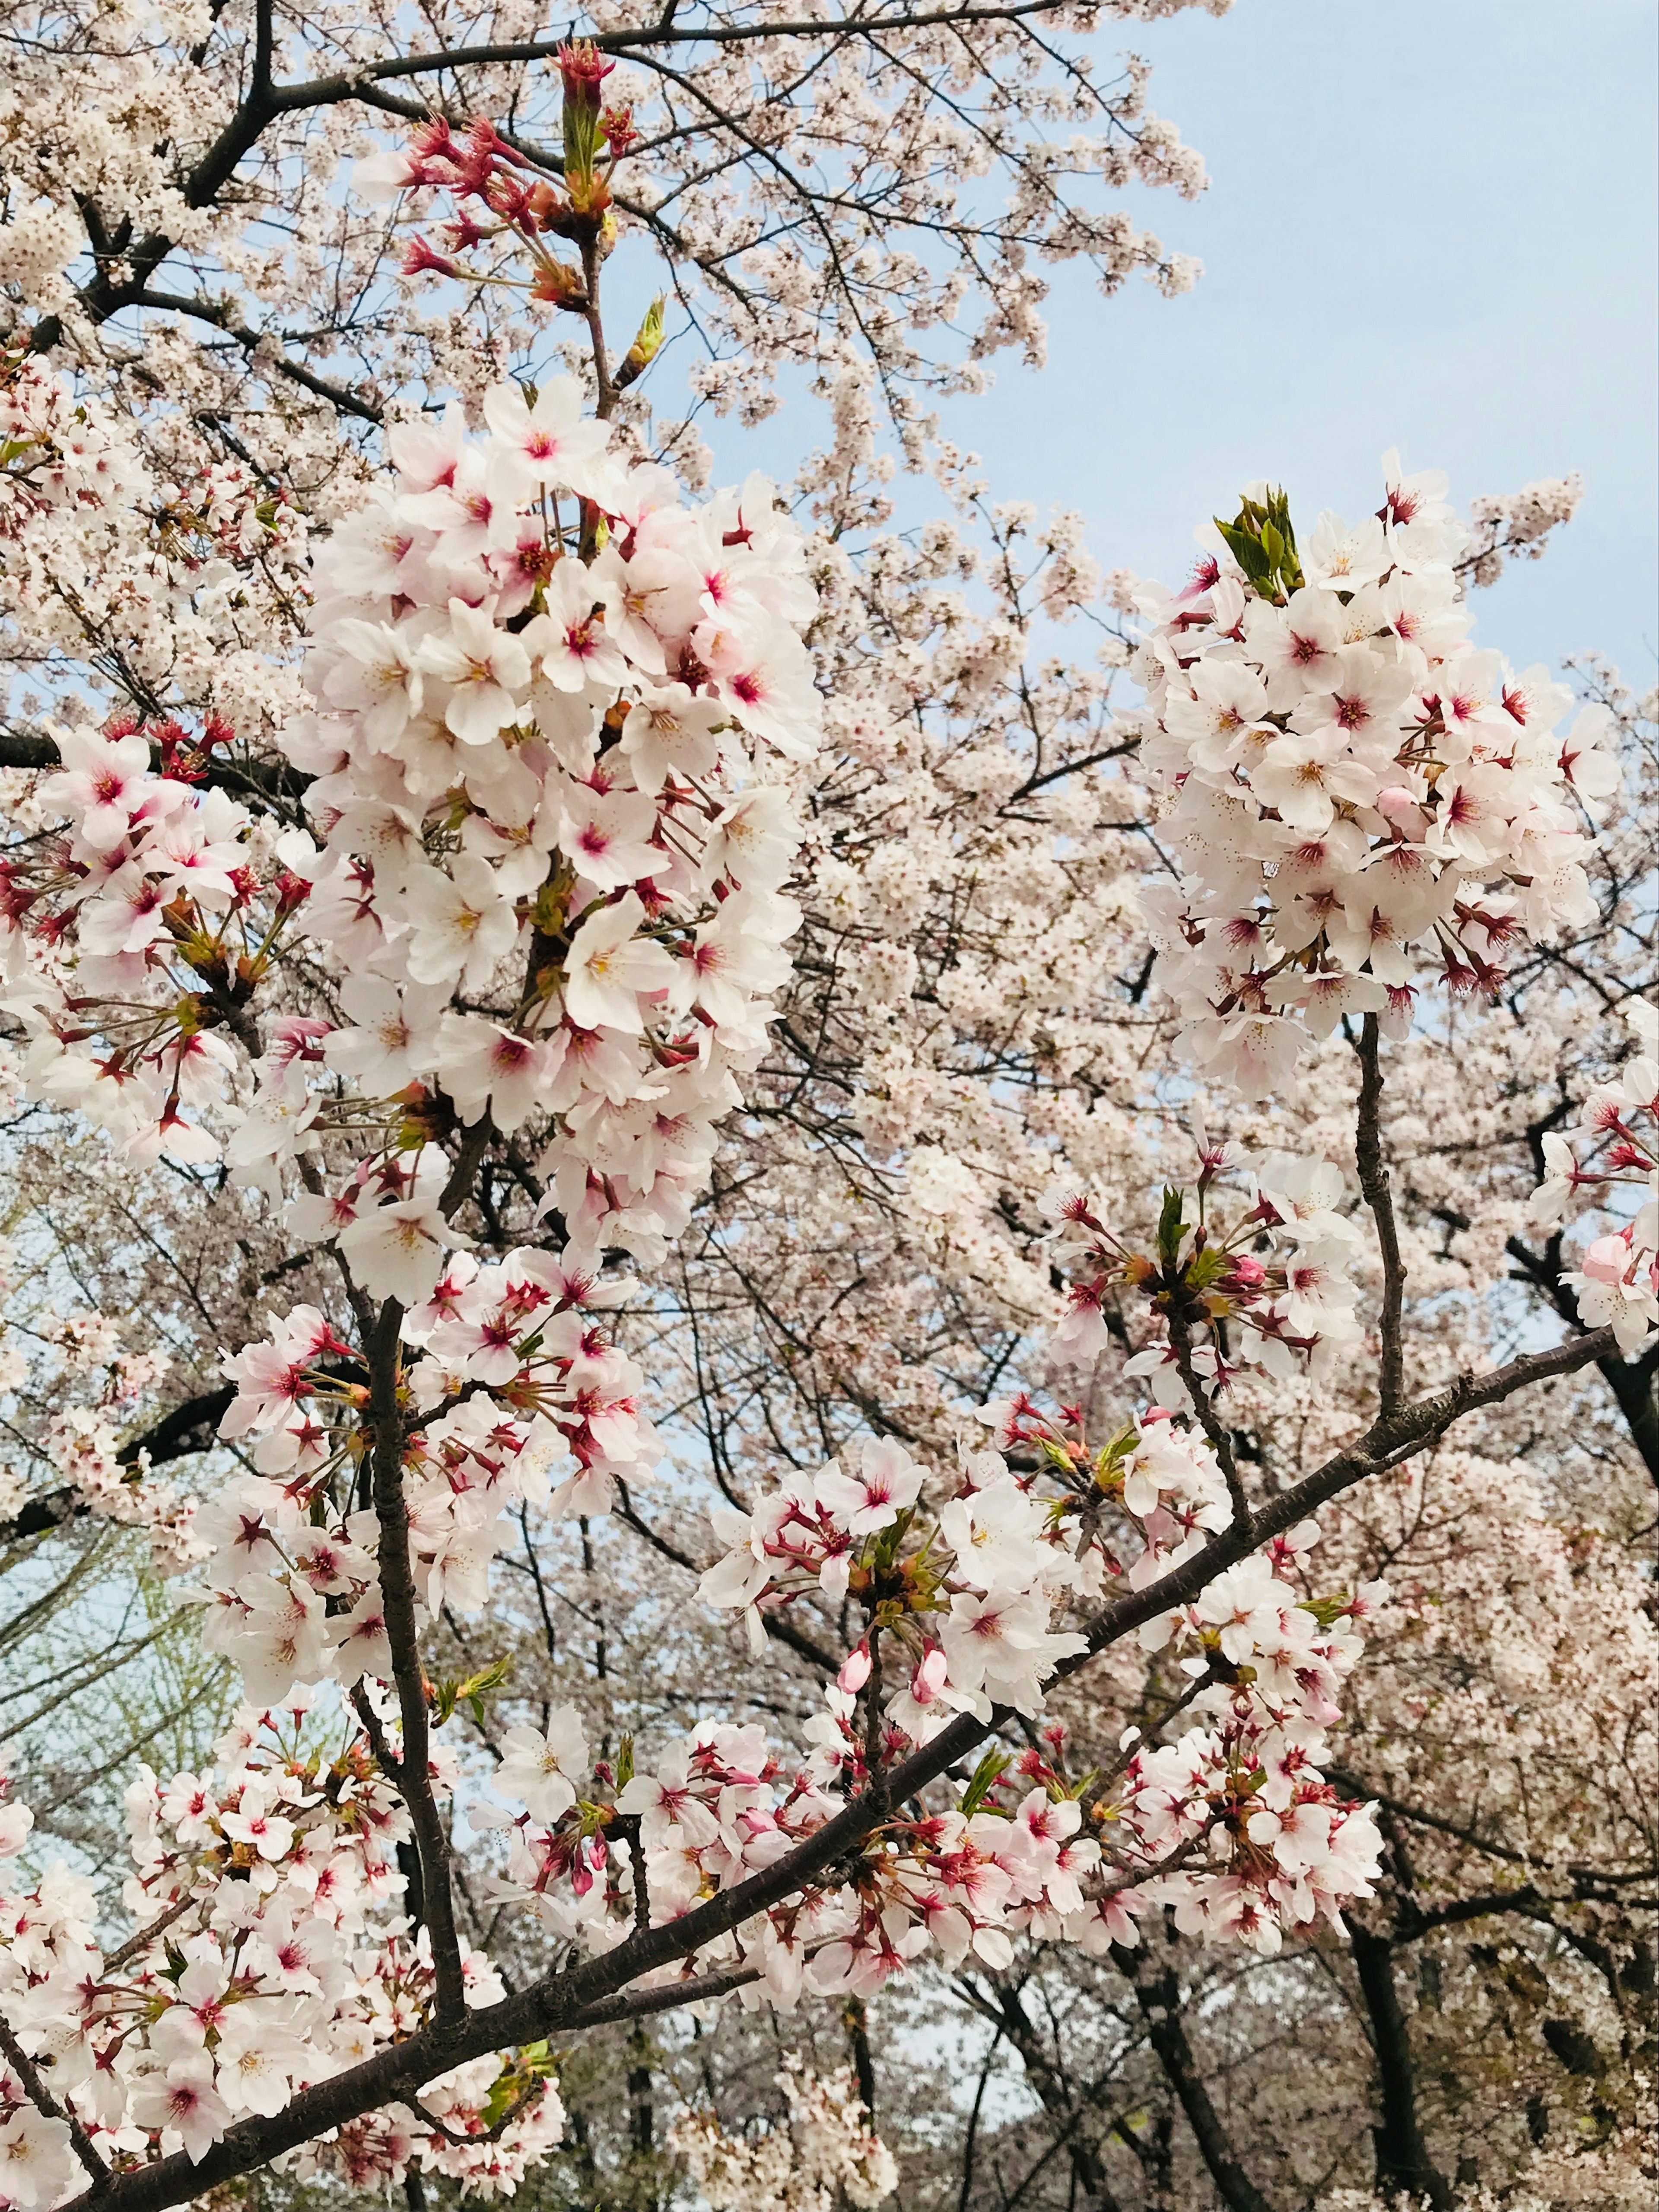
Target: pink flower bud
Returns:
[[1607, 1258], [854, 1671]]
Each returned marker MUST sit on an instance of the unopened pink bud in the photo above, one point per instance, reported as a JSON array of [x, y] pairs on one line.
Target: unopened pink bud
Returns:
[[854, 1671], [1607, 1259]]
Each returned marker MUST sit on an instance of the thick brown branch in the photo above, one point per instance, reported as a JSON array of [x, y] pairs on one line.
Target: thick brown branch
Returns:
[[413, 1777], [1374, 1182], [1403, 2164]]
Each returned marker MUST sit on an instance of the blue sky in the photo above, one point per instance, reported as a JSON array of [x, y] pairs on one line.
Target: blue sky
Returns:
[[1431, 223]]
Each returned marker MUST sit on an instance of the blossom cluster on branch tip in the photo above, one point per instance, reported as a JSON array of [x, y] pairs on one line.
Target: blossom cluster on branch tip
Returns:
[[553, 706], [1272, 1289], [1356, 792], [963, 1586], [1614, 1146], [273, 1952], [515, 1370]]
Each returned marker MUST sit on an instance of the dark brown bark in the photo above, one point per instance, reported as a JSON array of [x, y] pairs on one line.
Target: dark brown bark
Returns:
[[1404, 2166], [1157, 1992]]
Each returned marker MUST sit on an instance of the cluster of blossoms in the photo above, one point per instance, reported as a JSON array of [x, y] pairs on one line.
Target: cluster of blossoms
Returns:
[[554, 706], [1272, 1291], [516, 1370], [1615, 1144], [501, 196], [557, 709], [176, 574], [826, 2154], [270, 1953], [962, 1600], [1355, 790], [546, 770], [80, 1444]]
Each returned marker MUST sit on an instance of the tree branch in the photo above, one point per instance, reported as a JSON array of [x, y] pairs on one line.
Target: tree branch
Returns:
[[1374, 1182], [598, 1991], [412, 1777]]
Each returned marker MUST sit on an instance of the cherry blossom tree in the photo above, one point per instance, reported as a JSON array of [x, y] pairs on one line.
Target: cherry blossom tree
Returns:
[[1052, 1271]]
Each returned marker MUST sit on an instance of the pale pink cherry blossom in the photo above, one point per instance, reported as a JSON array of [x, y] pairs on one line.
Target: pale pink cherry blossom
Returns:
[[274, 1630], [38, 2166], [394, 1033], [1469, 692], [329, 1563], [372, 674], [484, 667], [1245, 1604], [302, 1956], [1419, 614], [468, 517], [462, 923], [1106, 1920], [270, 1376], [736, 957], [929, 1700], [1327, 997], [1472, 823], [607, 836], [1379, 936], [573, 648], [376, 551], [104, 783], [537, 1764], [397, 1250], [550, 444], [257, 2061], [427, 454], [752, 839], [183, 2102], [484, 1067], [887, 1480], [633, 592], [255, 1825], [610, 966], [1254, 1053], [670, 732], [359, 1643], [766, 681], [1339, 559], [587, 1064], [127, 918], [1001, 1647], [1297, 644], [198, 849], [1586, 762], [1305, 775], [315, 1217], [1362, 697], [1227, 698], [1617, 1287]]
